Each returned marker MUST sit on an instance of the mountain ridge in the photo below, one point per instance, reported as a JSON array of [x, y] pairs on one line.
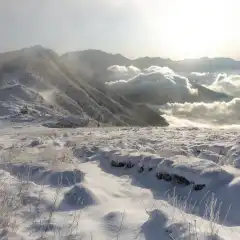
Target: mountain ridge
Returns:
[[97, 62], [42, 70], [203, 64]]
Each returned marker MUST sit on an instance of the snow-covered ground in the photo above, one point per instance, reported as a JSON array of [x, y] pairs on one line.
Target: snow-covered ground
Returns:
[[119, 183]]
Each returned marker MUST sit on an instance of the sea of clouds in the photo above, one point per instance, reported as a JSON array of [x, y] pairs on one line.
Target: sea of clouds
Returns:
[[130, 79], [177, 85], [229, 84], [216, 112]]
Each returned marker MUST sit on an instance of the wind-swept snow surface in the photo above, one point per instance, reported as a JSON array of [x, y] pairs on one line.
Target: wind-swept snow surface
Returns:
[[119, 183]]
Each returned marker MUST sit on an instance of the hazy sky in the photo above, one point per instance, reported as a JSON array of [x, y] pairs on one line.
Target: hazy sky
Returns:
[[168, 28]]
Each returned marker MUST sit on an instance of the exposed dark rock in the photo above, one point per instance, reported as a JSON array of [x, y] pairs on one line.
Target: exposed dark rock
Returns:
[[198, 187], [159, 175], [130, 165], [141, 169], [180, 180], [35, 143], [117, 164], [167, 177], [24, 110]]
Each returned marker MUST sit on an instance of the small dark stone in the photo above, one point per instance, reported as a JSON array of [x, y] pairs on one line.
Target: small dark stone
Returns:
[[197, 152], [180, 180], [24, 110], [117, 164], [150, 169], [34, 143], [141, 169], [198, 187], [167, 177], [159, 175], [129, 165]]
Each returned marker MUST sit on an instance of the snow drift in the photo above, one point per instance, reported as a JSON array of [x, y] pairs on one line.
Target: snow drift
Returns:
[[162, 185]]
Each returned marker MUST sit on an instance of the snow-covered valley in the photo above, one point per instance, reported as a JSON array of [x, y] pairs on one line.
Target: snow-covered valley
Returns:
[[176, 177], [120, 183]]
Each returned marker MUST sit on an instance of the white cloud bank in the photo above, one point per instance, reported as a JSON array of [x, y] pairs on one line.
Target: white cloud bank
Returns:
[[176, 87], [117, 72], [229, 84], [216, 112], [166, 82], [224, 113], [203, 78]]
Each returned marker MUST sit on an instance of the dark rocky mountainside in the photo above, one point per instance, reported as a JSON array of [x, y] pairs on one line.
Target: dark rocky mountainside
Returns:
[[38, 78]]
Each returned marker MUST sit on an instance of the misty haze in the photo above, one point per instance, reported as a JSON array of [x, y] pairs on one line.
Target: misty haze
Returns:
[[120, 119]]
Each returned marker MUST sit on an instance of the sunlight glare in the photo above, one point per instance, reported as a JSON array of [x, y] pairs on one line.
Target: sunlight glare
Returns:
[[192, 28]]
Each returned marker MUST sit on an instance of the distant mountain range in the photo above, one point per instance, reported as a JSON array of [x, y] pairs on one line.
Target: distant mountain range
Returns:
[[98, 61], [38, 84]]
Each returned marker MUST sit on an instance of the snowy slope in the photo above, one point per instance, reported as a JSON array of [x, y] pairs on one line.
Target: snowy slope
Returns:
[[105, 183]]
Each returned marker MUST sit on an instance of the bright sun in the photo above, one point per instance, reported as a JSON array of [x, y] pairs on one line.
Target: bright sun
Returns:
[[193, 28]]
